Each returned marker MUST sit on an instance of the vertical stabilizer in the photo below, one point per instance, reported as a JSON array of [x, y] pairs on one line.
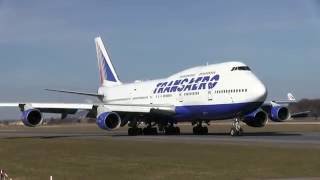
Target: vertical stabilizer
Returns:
[[108, 75], [291, 97]]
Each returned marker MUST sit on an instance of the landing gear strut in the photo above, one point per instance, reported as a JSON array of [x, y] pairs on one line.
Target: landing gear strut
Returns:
[[199, 129], [150, 129], [134, 130], [236, 129]]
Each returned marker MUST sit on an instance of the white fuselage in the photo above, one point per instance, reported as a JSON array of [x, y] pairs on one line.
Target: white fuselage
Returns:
[[212, 91]]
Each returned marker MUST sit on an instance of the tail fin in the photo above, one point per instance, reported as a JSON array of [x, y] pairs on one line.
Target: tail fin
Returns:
[[108, 75], [291, 97]]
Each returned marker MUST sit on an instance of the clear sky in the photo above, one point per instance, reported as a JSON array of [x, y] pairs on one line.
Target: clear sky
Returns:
[[49, 44]]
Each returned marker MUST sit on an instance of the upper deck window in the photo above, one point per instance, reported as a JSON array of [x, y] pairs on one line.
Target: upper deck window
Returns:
[[241, 68]]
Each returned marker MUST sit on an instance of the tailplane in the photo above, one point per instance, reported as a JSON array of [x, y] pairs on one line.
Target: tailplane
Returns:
[[108, 75]]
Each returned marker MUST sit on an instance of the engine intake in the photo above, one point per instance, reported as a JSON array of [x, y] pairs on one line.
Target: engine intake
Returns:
[[31, 117], [258, 118], [108, 121], [279, 113]]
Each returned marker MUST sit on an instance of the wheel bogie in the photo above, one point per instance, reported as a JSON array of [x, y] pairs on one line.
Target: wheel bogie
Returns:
[[150, 131], [236, 132], [134, 131], [172, 130]]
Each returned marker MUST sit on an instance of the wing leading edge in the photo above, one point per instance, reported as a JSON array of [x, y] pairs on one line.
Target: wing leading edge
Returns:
[[72, 108]]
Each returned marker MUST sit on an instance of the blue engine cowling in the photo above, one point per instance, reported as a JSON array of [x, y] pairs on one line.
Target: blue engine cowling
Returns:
[[279, 113], [258, 118], [31, 117], [108, 121]]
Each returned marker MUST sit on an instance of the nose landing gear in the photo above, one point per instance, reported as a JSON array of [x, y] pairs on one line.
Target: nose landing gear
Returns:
[[236, 129]]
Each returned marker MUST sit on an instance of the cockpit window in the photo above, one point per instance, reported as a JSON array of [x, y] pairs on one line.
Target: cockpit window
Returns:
[[241, 68], [244, 68]]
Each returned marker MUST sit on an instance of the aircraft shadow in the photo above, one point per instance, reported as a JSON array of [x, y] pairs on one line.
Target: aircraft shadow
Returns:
[[245, 134], [56, 136], [250, 134]]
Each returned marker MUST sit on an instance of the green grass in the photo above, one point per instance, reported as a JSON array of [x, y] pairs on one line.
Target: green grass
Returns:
[[109, 158]]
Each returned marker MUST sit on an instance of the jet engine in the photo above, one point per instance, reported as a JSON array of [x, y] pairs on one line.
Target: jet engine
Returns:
[[108, 121], [279, 113], [258, 118], [31, 117]]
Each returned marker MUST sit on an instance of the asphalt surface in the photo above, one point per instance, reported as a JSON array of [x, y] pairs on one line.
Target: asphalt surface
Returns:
[[279, 136]]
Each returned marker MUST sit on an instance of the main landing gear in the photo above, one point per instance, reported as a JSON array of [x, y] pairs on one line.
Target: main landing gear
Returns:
[[136, 131], [150, 131], [168, 128], [172, 130], [199, 129], [236, 129]]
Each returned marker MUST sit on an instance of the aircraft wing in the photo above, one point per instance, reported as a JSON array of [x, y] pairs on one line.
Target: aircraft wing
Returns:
[[70, 108], [301, 114]]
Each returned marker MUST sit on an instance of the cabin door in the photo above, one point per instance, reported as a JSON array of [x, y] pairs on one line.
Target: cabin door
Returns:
[[210, 95], [180, 97], [151, 98]]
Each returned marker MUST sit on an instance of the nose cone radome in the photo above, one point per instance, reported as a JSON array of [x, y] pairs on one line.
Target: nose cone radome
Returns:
[[261, 92]]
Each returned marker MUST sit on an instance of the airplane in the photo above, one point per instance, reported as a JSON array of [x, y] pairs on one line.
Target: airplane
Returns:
[[228, 90]]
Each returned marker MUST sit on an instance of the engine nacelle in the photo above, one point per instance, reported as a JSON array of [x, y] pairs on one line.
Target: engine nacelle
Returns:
[[31, 117], [258, 118], [279, 113], [108, 121]]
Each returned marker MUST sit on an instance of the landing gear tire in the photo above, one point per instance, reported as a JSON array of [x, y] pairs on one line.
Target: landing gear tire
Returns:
[[199, 130], [235, 132], [134, 131], [172, 131], [150, 131]]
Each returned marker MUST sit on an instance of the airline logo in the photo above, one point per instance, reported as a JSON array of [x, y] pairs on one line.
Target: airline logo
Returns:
[[104, 69], [187, 84]]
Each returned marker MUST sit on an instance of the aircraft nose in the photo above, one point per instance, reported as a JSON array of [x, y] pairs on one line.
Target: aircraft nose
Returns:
[[261, 91]]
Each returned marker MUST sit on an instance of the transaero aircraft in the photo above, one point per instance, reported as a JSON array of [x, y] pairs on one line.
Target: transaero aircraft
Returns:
[[197, 95]]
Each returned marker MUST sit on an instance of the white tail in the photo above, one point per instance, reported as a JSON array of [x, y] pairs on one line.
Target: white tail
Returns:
[[291, 97], [108, 75]]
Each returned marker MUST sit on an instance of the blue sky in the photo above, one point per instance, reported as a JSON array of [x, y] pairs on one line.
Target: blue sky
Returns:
[[49, 44]]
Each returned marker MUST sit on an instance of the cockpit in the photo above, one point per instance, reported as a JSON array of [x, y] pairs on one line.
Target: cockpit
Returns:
[[241, 68]]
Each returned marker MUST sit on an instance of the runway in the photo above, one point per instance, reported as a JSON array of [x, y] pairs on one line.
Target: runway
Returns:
[[292, 135], [277, 139]]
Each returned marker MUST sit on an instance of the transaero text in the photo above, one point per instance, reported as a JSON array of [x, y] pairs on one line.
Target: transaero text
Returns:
[[187, 84]]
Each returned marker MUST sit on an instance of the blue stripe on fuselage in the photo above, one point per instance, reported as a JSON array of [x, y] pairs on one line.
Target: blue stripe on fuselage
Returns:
[[214, 112]]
